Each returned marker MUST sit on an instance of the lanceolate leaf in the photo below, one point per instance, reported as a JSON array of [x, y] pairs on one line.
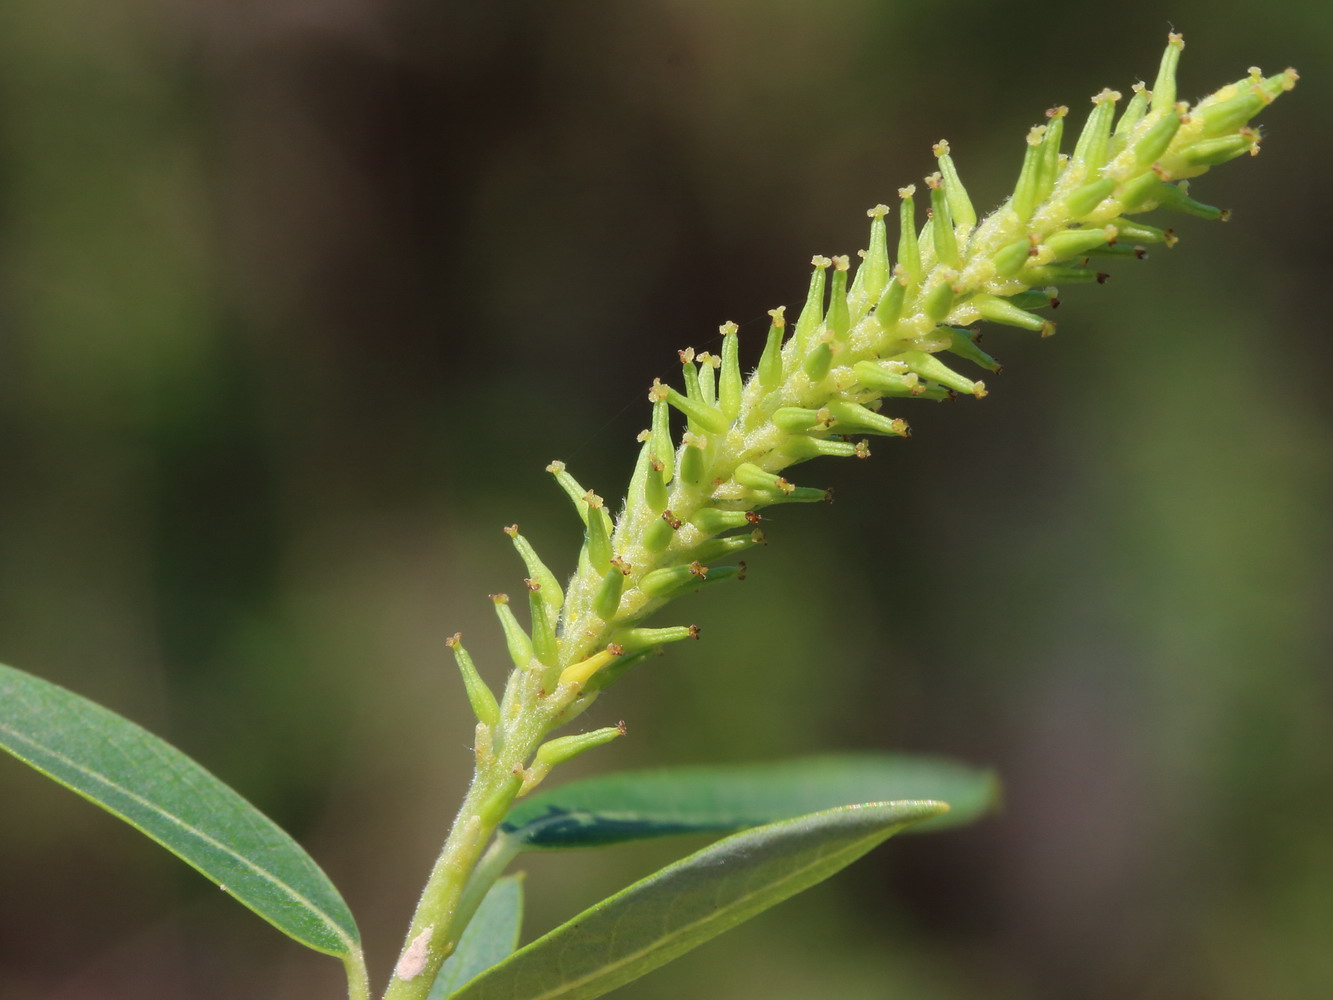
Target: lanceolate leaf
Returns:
[[687, 903], [634, 806], [154, 787], [491, 937]]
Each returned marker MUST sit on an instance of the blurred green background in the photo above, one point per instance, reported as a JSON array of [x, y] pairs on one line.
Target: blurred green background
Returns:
[[298, 297]]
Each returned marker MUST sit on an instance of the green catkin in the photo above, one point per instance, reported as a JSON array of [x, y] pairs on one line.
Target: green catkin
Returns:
[[824, 384]]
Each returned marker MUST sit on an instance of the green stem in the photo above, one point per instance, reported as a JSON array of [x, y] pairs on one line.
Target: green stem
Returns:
[[358, 980]]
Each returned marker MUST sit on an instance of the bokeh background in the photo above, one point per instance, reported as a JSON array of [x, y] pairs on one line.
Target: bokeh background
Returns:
[[298, 297]]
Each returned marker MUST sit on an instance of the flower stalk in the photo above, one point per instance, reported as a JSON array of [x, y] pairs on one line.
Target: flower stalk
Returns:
[[881, 331]]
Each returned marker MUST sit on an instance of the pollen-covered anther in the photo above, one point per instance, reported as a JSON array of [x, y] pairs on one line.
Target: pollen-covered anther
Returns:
[[694, 631], [1170, 238], [699, 569], [454, 640], [907, 192], [784, 486], [728, 328], [619, 563], [863, 447], [1036, 134], [779, 319], [1106, 94], [979, 390], [656, 394], [933, 182], [531, 584], [621, 728], [559, 466], [842, 262], [753, 516], [1048, 329], [615, 649], [878, 212], [657, 464], [672, 520], [643, 436], [512, 530], [686, 356], [711, 360], [820, 261]]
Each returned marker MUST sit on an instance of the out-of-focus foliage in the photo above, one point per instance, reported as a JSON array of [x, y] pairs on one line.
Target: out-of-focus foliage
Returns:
[[295, 297]]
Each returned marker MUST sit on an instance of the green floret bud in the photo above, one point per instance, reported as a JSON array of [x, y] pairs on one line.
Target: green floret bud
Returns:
[[812, 313], [770, 363], [1164, 87], [537, 570], [839, 320], [518, 642], [963, 343], [479, 696], [856, 418], [633, 640], [909, 251], [960, 205]]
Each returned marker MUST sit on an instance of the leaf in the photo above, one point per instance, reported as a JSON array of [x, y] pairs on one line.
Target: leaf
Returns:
[[491, 937], [634, 806], [154, 787], [687, 903]]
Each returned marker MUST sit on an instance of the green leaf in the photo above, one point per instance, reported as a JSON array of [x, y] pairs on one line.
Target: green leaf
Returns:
[[691, 901], [634, 806], [491, 937], [154, 787]]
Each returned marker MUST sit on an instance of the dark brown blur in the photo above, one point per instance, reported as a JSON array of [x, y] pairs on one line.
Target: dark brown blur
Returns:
[[298, 297]]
